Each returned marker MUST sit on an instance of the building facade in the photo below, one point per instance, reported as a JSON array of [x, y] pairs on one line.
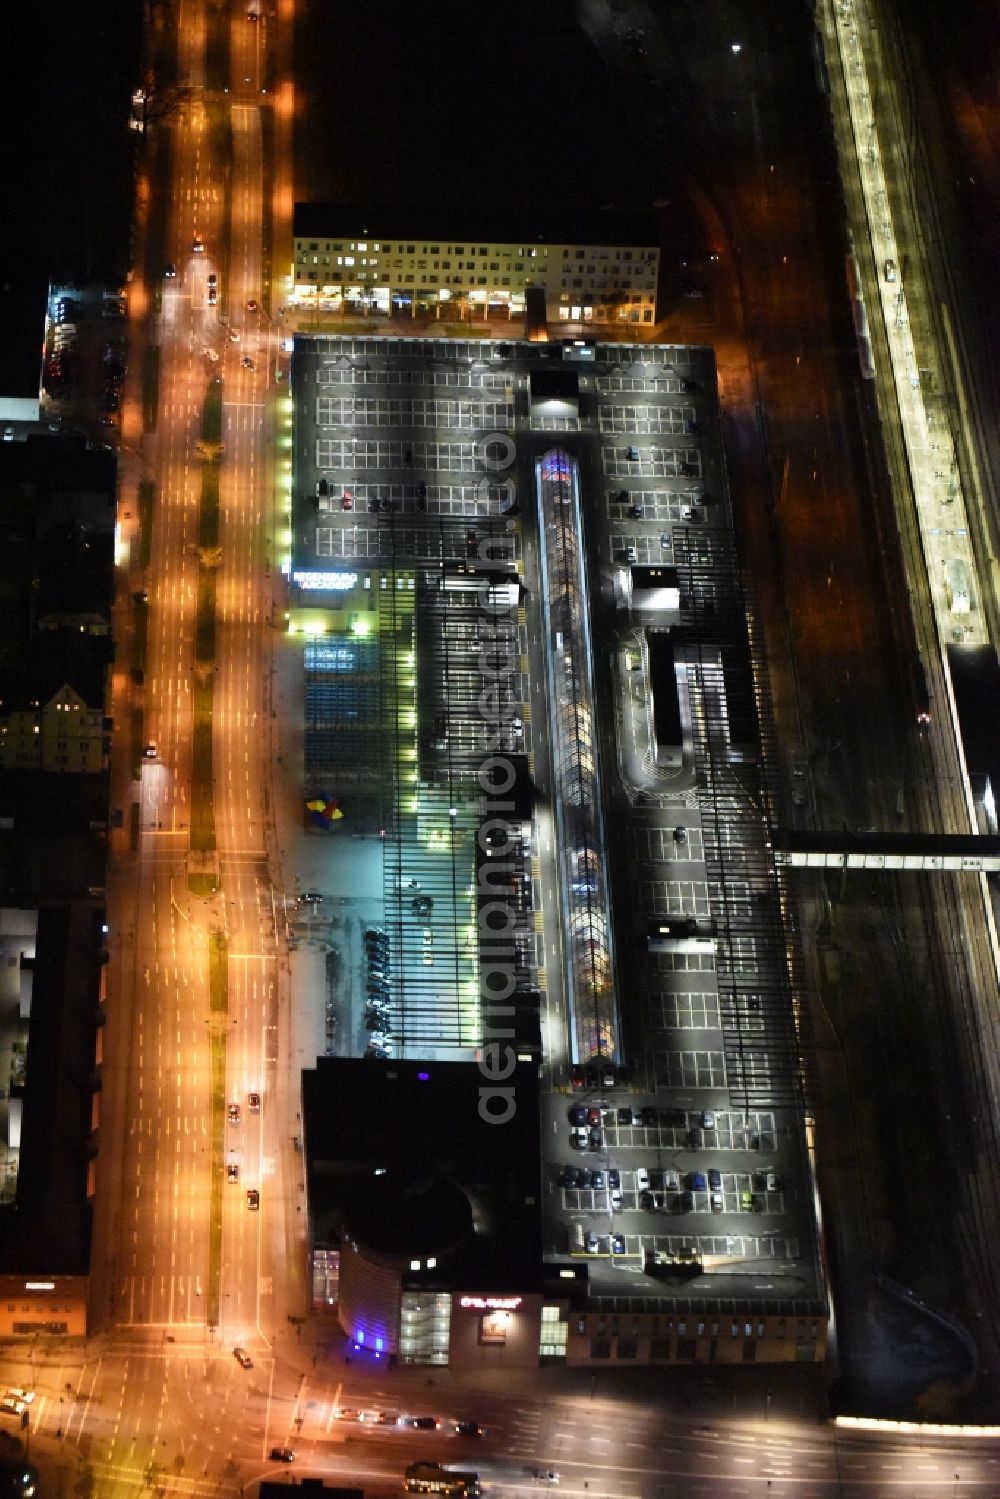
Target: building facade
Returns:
[[63, 735], [341, 268]]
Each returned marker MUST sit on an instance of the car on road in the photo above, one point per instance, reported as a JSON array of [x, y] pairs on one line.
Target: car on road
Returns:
[[212, 356], [197, 245], [251, 304], [547, 1475], [253, 1199], [232, 1172], [233, 1113], [424, 1423], [213, 279], [213, 296], [242, 1358], [282, 1455], [310, 898], [469, 1429], [149, 753], [234, 336], [253, 1102], [889, 270], [170, 271], [247, 362]]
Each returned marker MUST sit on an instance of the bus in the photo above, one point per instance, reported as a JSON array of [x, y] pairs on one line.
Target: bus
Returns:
[[432, 1478]]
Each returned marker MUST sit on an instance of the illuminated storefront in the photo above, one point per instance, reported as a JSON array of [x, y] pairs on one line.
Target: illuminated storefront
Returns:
[[341, 268]]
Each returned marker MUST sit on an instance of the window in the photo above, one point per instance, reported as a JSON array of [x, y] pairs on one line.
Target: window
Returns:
[[659, 1348], [483, 250], [459, 249], [494, 265], [579, 255], [519, 265], [410, 249], [626, 1348], [686, 1350], [600, 1348], [482, 281], [435, 249], [313, 245], [387, 249], [446, 265]]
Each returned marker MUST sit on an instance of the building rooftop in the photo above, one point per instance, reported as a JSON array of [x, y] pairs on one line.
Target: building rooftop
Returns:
[[420, 1124], [538, 225]]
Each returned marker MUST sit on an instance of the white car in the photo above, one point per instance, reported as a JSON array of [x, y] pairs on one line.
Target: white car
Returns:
[[641, 1179]]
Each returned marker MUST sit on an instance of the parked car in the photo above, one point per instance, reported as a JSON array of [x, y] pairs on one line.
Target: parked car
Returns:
[[233, 1113], [578, 1139], [282, 1455], [253, 1102], [242, 1358], [578, 1114], [715, 1179], [641, 1179], [617, 1243], [253, 1199], [596, 1137], [232, 1172], [696, 1181], [567, 1176], [597, 1181]]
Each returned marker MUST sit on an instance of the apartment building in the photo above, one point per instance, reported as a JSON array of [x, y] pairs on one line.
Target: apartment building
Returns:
[[363, 263]]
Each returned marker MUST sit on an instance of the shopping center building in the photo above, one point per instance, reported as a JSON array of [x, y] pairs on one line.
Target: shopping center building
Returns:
[[531, 683]]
